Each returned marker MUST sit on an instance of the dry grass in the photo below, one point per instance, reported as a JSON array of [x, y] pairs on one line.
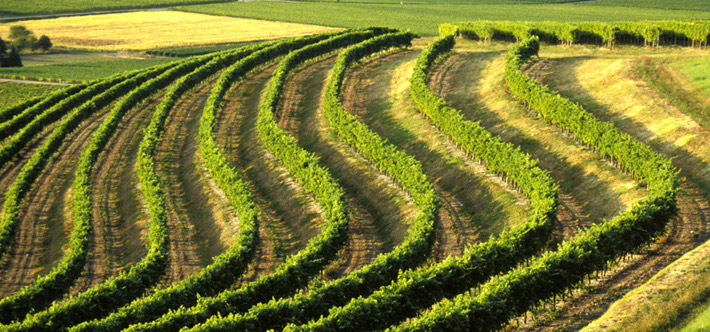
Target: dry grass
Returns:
[[156, 29]]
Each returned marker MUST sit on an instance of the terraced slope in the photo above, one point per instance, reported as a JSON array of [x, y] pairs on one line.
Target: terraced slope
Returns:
[[361, 180]]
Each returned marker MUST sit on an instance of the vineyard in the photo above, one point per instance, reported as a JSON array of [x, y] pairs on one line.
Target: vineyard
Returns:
[[505, 175]]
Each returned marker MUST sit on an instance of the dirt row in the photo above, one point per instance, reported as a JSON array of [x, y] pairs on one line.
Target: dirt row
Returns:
[[46, 214], [474, 203], [118, 221], [376, 207], [195, 229], [288, 216]]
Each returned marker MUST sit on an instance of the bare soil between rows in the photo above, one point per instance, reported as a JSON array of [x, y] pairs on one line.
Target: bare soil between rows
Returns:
[[46, 214], [117, 220], [300, 113], [288, 217]]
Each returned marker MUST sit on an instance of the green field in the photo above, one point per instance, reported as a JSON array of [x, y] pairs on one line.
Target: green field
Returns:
[[66, 69], [425, 18], [14, 93], [32, 7]]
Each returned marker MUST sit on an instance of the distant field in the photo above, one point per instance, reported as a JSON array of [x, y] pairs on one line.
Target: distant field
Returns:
[[14, 93], [425, 18], [154, 29], [661, 4], [666, 4], [87, 70], [33, 7], [29, 7]]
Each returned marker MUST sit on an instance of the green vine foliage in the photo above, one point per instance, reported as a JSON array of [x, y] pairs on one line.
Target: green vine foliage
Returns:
[[692, 33], [298, 269], [112, 292], [404, 169], [70, 112], [226, 268], [552, 273], [14, 118], [416, 290], [9, 112], [123, 288]]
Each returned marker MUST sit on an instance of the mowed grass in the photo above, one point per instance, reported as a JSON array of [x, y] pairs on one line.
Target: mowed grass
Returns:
[[15, 93], [155, 29], [82, 71], [697, 71], [424, 18], [700, 323]]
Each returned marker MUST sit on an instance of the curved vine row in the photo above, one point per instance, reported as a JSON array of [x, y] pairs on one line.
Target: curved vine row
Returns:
[[14, 118], [402, 168], [301, 267], [81, 105], [418, 289], [228, 267], [117, 291], [552, 273]]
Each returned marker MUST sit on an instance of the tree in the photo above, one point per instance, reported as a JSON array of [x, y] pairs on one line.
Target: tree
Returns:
[[3, 48], [22, 38], [13, 59], [44, 43]]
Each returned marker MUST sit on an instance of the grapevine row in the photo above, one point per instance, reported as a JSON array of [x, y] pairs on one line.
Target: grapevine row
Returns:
[[9, 112], [41, 292], [15, 117], [609, 33], [81, 105], [227, 267], [552, 273], [126, 286], [419, 289], [301, 267], [401, 167]]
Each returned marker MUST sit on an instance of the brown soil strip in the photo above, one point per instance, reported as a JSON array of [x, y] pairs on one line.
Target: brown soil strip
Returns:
[[378, 92], [9, 171], [373, 202], [44, 228], [117, 211], [195, 235], [288, 216]]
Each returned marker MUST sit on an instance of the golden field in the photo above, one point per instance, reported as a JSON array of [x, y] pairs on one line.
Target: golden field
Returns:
[[155, 29]]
